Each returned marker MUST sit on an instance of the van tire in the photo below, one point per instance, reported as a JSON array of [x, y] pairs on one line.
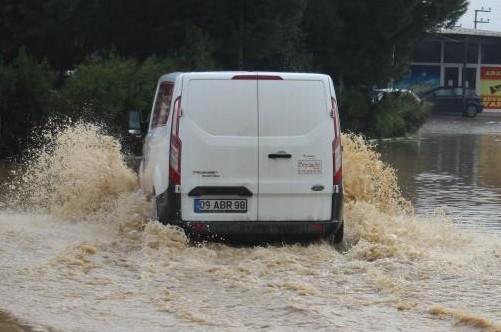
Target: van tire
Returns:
[[337, 236], [160, 206], [470, 111], [154, 209]]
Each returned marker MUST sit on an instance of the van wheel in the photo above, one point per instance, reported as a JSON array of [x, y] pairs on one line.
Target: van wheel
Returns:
[[470, 111], [336, 237], [160, 207], [154, 208], [157, 212]]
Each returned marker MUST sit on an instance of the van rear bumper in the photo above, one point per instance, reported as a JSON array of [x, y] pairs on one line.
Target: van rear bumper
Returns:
[[261, 228], [265, 229]]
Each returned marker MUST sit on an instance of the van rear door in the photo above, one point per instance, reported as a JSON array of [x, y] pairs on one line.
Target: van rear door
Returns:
[[219, 161], [295, 148]]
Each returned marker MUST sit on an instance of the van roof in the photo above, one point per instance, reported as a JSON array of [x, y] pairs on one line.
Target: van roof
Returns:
[[229, 74]]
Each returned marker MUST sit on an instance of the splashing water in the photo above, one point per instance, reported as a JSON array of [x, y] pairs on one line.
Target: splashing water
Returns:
[[85, 256], [78, 171], [369, 180]]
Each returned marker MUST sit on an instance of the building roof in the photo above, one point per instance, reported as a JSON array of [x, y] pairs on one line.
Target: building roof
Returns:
[[470, 32]]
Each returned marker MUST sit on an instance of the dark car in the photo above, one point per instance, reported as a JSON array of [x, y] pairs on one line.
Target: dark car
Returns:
[[454, 100]]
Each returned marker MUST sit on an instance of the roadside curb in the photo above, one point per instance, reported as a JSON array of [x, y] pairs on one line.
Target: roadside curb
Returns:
[[489, 114]]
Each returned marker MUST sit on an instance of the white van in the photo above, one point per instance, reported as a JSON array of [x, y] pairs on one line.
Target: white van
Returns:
[[245, 153]]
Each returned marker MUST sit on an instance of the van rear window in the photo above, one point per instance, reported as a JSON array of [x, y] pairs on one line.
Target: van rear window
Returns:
[[162, 105], [223, 107], [292, 108]]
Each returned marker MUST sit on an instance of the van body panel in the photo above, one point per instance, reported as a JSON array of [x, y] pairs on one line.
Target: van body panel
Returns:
[[294, 119], [265, 138], [219, 132]]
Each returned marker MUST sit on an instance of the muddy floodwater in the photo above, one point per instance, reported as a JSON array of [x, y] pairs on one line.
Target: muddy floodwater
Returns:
[[454, 165], [78, 251], [4, 170]]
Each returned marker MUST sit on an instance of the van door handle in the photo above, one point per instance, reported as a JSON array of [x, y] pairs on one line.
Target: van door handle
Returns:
[[280, 155]]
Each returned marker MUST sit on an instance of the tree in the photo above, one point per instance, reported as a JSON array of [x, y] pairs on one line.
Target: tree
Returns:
[[363, 42], [46, 29], [261, 34], [358, 42], [25, 89], [107, 87]]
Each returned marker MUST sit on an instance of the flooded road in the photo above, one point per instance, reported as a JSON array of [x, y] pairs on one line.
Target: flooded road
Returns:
[[79, 253], [454, 164], [4, 170]]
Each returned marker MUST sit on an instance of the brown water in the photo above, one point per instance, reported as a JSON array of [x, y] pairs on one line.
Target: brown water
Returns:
[[4, 170], [78, 253], [454, 165], [10, 324]]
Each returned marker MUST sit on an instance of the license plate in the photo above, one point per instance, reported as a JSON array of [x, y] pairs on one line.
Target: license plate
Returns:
[[220, 205]]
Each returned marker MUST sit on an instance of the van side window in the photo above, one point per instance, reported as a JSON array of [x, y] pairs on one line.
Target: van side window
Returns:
[[162, 105]]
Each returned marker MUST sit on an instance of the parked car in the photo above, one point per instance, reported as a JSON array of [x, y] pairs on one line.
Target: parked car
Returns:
[[452, 100], [376, 95], [240, 153]]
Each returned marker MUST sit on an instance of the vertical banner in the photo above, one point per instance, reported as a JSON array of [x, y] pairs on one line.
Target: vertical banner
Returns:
[[490, 87]]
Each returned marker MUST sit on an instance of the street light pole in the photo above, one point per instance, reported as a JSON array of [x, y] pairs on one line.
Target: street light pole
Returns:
[[482, 10]]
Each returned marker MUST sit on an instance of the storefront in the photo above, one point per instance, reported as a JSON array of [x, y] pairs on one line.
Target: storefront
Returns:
[[455, 58]]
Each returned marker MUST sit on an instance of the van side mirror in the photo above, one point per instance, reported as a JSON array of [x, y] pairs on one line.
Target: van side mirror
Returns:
[[136, 126]]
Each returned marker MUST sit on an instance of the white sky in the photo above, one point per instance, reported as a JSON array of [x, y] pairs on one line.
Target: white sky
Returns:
[[495, 16]]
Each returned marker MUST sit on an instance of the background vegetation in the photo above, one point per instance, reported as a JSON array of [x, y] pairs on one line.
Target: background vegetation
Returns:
[[100, 59]]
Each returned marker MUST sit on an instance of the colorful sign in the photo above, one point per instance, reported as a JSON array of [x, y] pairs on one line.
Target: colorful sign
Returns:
[[490, 87], [420, 78]]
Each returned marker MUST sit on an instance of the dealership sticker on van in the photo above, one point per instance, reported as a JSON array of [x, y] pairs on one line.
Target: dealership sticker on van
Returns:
[[208, 174], [220, 205], [309, 167]]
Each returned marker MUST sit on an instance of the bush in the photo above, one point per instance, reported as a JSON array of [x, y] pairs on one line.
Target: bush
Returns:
[[107, 88], [414, 114], [354, 110], [396, 114], [25, 92]]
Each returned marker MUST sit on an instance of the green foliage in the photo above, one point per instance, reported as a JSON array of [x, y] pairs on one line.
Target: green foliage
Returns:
[[257, 34], [414, 114], [396, 114], [274, 38], [25, 91], [46, 28], [366, 42], [387, 118], [358, 42], [197, 52], [354, 109], [106, 88]]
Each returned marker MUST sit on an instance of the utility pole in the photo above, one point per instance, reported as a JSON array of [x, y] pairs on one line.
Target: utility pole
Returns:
[[477, 21]]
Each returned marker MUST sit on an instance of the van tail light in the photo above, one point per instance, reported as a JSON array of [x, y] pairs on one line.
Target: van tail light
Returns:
[[337, 160], [338, 164], [175, 146]]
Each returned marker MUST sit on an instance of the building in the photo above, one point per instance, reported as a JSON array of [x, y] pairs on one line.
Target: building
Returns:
[[455, 58]]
